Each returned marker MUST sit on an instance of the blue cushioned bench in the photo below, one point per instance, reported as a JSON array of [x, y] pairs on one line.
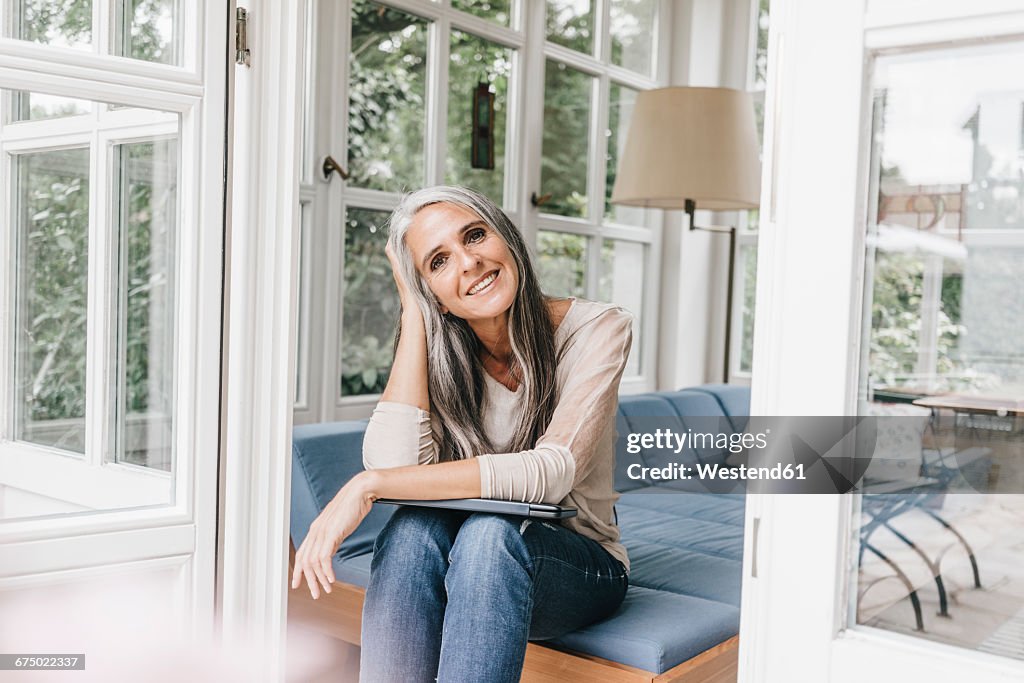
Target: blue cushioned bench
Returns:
[[680, 618]]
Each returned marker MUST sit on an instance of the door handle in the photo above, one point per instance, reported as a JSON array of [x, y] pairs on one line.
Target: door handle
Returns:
[[329, 166]]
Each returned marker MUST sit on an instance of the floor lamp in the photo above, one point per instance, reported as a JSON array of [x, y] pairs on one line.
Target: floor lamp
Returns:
[[687, 146]]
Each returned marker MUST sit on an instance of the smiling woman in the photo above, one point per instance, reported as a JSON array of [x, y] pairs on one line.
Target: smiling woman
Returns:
[[496, 391]]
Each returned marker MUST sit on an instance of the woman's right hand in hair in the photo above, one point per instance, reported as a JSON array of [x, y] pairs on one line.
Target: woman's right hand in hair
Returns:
[[408, 380], [405, 296]]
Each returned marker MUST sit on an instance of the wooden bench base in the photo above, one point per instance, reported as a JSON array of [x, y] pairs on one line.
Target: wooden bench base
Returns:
[[339, 615]]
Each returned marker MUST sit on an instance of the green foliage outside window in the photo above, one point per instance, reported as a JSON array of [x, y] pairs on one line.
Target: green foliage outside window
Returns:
[[142, 37], [761, 55], [387, 98], [632, 26], [567, 100], [52, 295], [561, 263], [896, 319], [371, 305], [60, 22], [568, 26], [749, 266], [146, 27], [496, 10], [149, 230]]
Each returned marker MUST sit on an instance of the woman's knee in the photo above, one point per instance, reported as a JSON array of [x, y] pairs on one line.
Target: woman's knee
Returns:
[[413, 530], [487, 539]]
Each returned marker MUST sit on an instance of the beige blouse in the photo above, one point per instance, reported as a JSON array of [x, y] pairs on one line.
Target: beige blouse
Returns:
[[573, 463]]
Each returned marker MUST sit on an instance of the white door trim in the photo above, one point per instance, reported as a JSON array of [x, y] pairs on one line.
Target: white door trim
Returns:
[[262, 264], [799, 551]]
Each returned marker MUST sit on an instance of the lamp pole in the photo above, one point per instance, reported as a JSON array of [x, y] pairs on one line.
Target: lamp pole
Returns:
[[691, 209]]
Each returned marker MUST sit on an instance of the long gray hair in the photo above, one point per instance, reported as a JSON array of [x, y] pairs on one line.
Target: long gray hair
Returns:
[[454, 370]]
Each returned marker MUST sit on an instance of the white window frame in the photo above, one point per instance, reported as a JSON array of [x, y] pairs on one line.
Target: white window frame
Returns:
[[174, 543], [175, 94], [595, 227], [50, 471], [305, 382], [522, 177], [444, 18]]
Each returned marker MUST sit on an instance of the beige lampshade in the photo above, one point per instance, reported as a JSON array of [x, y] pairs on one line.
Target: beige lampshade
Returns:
[[690, 143]]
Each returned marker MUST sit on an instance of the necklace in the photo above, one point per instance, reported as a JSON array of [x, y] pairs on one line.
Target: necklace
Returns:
[[510, 373]]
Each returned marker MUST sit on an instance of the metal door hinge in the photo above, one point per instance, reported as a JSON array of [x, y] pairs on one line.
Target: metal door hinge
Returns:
[[241, 40]]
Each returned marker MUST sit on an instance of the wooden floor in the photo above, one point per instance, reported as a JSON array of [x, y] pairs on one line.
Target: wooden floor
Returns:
[[324, 636]]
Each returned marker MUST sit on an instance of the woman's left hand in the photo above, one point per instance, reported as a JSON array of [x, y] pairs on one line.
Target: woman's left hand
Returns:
[[337, 521]]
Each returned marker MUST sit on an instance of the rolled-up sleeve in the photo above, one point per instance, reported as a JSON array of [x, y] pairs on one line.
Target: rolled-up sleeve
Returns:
[[566, 452], [398, 435]]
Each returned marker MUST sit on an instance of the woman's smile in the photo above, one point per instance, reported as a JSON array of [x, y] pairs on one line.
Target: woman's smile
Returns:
[[483, 283]]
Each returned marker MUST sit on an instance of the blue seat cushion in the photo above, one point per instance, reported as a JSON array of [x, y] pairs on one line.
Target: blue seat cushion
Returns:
[[723, 508], [655, 630], [734, 399], [685, 572], [686, 566], [354, 570], [708, 537]]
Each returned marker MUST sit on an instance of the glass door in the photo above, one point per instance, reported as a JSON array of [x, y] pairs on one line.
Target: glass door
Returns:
[[942, 316], [904, 168], [111, 228]]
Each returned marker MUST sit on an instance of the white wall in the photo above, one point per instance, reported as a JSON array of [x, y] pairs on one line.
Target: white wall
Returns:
[[709, 48]]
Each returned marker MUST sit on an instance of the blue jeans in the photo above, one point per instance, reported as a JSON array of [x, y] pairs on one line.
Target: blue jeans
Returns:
[[454, 596]]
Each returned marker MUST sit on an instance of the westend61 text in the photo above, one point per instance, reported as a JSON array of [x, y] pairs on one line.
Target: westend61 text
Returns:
[[668, 440], [705, 472]]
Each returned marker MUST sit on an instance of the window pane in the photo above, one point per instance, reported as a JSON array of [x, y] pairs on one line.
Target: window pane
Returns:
[[148, 219], [571, 23], [371, 305], [562, 263], [149, 30], [62, 23], [622, 267], [567, 97], [387, 98], [620, 113], [495, 10], [752, 220], [761, 53], [33, 106], [52, 219], [943, 320], [633, 28], [476, 60], [748, 261]]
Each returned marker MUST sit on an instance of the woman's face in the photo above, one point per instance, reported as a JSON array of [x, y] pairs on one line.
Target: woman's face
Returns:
[[466, 263]]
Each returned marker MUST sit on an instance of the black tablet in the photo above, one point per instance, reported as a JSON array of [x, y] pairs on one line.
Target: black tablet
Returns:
[[498, 507]]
